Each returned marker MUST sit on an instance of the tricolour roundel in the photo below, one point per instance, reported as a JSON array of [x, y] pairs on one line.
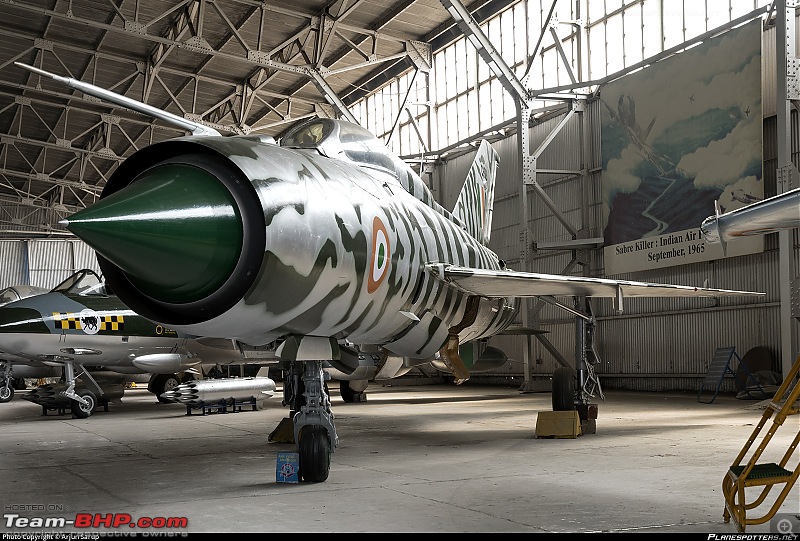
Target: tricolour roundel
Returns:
[[379, 258]]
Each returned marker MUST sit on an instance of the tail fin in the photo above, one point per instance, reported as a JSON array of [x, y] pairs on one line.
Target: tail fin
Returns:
[[476, 200]]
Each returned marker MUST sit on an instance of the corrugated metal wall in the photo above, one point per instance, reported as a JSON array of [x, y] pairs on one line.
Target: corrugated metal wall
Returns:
[[13, 264], [657, 344], [43, 263]]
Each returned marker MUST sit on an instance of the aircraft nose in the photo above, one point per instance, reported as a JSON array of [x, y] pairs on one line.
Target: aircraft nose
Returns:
[[175, 231]]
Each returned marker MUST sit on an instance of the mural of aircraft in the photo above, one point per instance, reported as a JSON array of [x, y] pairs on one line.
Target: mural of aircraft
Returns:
[[326, 242], [79, 328]]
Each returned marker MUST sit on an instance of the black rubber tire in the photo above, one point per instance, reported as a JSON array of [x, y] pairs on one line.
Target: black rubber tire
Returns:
[[6, 393], [161, 383], [563, 389], [315, 453], [348, 395], [79, 410]]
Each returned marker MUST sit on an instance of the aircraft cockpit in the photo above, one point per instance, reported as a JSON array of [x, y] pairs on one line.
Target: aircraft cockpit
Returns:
[[83, 282], [341, 140], [15, 293]]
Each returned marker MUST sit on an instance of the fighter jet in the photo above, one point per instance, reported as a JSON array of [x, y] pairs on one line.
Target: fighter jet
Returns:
[[326, 242], [79, 328], [14, 380]]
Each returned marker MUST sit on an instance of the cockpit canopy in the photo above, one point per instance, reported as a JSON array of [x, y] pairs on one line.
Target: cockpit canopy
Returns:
[[15, 293], [342, 140], [83, 282]]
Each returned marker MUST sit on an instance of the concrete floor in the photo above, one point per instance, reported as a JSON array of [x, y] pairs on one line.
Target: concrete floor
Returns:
[[425, 458]]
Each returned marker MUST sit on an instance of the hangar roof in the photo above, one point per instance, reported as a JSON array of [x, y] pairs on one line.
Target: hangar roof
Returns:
[[241, 66]]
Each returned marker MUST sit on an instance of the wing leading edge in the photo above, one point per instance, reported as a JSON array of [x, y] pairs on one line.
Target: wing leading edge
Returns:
[[491, 283]]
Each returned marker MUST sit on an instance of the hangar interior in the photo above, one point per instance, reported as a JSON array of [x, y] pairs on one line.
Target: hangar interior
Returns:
[[432, 79]]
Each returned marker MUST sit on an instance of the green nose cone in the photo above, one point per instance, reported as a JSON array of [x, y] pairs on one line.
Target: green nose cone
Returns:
[[176, 232]]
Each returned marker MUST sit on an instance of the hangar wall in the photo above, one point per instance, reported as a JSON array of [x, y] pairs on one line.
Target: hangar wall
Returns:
[[656, 344], [43, 262]]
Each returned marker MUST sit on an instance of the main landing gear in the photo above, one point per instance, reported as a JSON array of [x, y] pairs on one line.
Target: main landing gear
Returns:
[[574, 389], [6, 383], [84, 402]]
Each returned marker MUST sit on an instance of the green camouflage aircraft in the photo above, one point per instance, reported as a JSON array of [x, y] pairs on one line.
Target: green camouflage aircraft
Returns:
[[80, 324]]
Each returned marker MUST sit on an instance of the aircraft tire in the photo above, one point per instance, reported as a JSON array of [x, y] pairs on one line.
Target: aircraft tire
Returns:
[[563, 389], [81, 411], [6, 393], [349, 395], [315, 453], [161, 383], [346, 392]]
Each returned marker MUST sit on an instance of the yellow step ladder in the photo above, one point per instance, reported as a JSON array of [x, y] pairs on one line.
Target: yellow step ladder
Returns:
[[745, 473]]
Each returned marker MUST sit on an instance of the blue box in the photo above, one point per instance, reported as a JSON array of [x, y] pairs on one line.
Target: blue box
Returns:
[[287, 469]]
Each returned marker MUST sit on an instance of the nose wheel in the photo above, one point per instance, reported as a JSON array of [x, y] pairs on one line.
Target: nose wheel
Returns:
[[314, 448]]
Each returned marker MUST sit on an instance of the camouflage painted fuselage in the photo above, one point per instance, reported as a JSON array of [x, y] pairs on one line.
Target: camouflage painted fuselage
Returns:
[[343, 252]]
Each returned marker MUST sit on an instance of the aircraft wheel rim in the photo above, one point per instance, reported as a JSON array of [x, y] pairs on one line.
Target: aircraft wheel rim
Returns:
[[161, 383], [82, 411], [91, 403], [170, 383], [6, 393]]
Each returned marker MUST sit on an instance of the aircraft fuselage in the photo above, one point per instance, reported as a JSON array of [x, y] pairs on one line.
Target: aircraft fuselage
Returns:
[[342, 253]]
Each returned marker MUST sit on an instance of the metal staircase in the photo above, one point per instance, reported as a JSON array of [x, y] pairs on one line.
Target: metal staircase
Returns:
[[746, 473]]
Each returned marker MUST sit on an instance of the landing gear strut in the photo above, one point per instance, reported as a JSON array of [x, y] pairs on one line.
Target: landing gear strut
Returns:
[[309, 402], [83, 403], [314, 431], [573, 389]]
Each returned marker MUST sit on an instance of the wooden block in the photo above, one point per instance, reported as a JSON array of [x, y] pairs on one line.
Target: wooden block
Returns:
[[558, 424]]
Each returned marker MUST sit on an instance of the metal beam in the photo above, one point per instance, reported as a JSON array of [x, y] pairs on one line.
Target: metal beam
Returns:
[[485, 49], [787, 64], [252, 55]]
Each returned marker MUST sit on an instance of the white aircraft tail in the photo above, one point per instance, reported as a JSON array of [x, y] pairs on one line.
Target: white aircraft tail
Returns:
[[476, 200]]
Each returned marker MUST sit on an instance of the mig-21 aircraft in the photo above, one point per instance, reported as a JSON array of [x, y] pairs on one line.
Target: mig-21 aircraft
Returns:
[[79, 329], [326, 242]]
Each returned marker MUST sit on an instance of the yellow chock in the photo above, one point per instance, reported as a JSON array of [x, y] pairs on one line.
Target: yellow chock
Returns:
[[558, 424], [284, 432]]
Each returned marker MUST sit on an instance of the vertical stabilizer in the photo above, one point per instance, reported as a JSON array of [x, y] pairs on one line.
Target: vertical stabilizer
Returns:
[[476, 200]]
